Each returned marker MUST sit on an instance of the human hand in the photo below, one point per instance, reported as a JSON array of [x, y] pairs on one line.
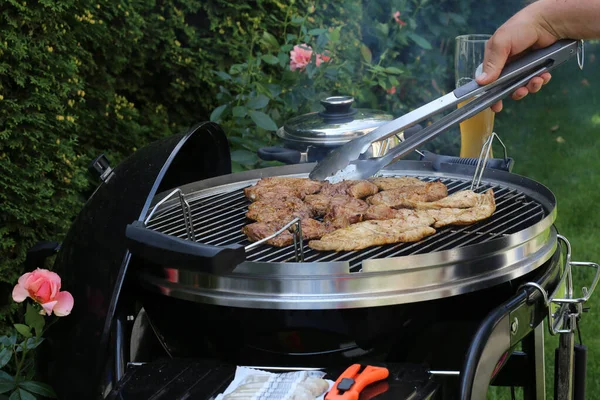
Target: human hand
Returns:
[[524, 31]]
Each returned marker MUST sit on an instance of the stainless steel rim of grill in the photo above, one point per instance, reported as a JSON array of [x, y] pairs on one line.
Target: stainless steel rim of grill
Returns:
[[518, 238]]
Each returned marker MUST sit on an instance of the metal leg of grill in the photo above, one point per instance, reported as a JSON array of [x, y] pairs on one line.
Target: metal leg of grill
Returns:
[[533, 345]]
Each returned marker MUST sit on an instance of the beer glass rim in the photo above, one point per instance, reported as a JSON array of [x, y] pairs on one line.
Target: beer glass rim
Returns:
[[476, 37]]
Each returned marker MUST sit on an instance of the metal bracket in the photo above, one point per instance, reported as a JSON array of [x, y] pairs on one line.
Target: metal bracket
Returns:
[[185, 210], [564, 320], [485, 154]]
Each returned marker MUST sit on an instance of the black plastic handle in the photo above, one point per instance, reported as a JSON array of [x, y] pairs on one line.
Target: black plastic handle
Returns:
[[553, 55], [37, 255], [408, 132], [172, 251], [288, 156], [437, 160]]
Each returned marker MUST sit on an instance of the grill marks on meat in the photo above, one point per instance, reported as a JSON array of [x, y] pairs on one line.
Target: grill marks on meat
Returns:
[[371, 233], [311, 229], [284, 208], [356, 189], [276, 187], [407, 196]]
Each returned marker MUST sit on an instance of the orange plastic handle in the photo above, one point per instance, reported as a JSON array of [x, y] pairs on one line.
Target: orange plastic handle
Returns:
[[361, 380]]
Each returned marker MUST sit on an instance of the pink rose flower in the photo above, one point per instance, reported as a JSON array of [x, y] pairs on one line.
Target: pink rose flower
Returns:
[[398, 20], [300, 57], [391, 90], [43, 287]]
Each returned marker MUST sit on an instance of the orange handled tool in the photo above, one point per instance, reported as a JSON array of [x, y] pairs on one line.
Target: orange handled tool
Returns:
[[349, 385]]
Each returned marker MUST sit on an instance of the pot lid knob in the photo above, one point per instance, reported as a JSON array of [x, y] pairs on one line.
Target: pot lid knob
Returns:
[[337, 108]]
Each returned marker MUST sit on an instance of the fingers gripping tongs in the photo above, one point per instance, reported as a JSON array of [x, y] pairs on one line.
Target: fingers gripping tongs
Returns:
[[344, 163]]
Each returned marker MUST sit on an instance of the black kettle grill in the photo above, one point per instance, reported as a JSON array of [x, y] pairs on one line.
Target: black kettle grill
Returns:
[[170, 297]]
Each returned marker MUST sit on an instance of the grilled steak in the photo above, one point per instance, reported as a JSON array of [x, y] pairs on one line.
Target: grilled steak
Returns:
[[406, 196], [371, 233], [311, 229], [285, 209], [345, 211], [275, 187], [484, 207], [396, 183], [357, 189], [462, 199]]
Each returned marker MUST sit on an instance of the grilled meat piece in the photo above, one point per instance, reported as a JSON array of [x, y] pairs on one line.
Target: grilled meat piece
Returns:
[[462, 199], [381, 212], [396, 183], [357, 189], [311, 229], [371, 233], [406, 196], [345, 211], [484, 207], [320, 202], [285, 208], [274, 187]]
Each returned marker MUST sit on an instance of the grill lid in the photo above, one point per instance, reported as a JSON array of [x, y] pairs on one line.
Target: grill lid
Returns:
[[338, 124]]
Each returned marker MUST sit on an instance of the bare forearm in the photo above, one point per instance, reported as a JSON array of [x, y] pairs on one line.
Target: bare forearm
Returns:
[[574, 19]]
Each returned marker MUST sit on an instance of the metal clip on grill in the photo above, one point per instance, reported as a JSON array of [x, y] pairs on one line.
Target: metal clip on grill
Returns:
[[485, 154], [185, 210], [570, 308], [298, 241]]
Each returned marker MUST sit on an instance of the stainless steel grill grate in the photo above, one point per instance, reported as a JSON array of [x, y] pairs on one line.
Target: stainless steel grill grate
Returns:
[[218, 220]]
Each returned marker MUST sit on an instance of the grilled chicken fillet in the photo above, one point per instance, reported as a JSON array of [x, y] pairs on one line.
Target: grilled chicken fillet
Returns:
[[405, 196], [462, 199], [484, 207], [371, 233]]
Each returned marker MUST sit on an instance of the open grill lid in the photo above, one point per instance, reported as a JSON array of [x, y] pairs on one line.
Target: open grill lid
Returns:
[[518, 238]]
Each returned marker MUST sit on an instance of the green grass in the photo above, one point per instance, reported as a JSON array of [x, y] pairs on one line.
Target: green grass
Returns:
[[554, 137]]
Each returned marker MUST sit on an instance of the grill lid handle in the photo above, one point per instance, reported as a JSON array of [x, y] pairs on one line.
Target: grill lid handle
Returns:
[[171, 251]]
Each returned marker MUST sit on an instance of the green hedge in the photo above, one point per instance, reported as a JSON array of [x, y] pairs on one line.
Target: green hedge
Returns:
[[78, 78]]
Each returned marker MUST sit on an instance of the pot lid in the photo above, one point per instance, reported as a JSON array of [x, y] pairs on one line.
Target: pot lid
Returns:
[[338, 124]]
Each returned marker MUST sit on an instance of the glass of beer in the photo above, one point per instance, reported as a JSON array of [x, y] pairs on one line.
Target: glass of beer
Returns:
[[474, 131]]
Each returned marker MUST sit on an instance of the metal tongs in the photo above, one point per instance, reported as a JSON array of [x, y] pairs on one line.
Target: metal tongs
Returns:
[[344, 163]]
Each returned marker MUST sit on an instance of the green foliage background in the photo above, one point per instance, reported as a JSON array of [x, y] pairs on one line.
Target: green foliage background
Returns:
[[78, 78]]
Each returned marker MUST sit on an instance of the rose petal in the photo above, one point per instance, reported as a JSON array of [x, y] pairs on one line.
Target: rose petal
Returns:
[[49, 306], [19, 293], [23, 278], [64, 304]]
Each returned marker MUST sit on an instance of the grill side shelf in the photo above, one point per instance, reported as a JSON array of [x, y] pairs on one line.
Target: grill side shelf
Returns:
[[167, 250]]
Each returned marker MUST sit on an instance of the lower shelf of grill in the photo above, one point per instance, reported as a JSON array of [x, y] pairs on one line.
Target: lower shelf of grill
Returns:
[[204, 380]]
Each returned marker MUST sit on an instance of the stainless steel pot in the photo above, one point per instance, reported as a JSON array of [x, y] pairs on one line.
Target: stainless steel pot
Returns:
[[310, 137]]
